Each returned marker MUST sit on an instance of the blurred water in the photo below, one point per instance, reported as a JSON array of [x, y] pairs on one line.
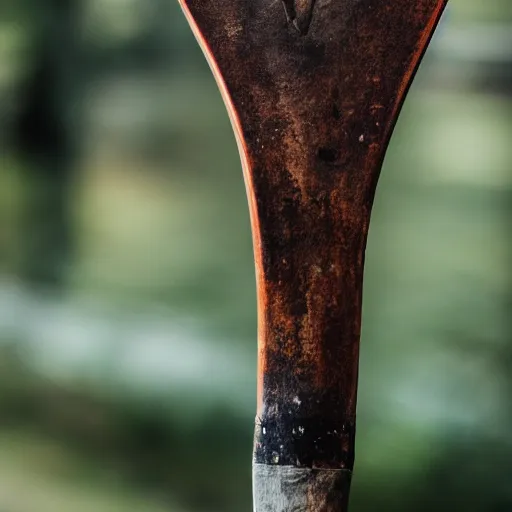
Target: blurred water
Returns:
[[145, 353]]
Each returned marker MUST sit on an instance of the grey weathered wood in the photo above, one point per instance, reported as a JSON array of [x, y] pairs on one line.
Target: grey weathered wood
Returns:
[[291, 489], [314, 88]]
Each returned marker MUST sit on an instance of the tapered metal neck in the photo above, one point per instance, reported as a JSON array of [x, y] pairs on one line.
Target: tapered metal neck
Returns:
[[313, 91]]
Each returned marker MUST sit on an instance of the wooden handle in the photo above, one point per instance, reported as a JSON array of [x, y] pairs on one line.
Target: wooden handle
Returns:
[[313, 88]]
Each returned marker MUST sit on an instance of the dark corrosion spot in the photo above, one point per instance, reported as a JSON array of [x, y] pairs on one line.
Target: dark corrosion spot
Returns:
[[336, 112], [328, 155], [315, 55]]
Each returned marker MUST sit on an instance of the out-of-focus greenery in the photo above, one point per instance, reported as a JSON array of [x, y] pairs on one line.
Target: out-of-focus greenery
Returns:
[[127, 297]]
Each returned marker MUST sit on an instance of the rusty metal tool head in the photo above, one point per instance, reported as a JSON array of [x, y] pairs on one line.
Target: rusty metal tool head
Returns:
[[313, 89]]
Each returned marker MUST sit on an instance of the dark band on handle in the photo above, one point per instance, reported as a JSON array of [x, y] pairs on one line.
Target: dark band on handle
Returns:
[[304, 442]]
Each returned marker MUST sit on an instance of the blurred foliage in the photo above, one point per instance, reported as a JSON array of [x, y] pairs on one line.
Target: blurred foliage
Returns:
[[127, 297]]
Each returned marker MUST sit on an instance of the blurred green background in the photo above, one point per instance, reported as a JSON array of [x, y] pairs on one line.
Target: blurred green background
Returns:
[[127, 296]]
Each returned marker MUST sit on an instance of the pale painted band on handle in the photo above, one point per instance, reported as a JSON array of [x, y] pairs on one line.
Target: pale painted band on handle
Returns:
[[292, 489]]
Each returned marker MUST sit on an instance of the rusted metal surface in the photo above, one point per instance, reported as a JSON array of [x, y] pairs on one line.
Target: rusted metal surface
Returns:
[[313, 88]]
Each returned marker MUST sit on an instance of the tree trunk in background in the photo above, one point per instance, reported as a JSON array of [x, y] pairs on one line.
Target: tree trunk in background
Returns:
[[46, 134]]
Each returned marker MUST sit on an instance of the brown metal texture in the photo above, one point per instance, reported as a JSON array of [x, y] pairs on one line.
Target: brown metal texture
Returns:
[[313, 89]]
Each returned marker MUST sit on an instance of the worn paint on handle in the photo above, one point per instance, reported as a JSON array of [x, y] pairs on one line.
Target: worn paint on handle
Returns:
[[314, 89], [292, 489]]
